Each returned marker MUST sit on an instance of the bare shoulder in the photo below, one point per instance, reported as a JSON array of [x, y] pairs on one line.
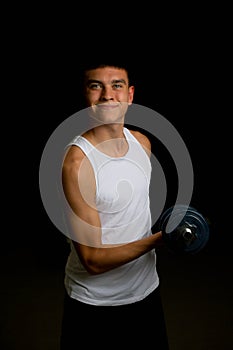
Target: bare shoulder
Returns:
[[143, 139], [73, 157], [74, 160]]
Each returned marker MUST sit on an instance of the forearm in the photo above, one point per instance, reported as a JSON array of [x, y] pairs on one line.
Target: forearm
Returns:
[[99, 260]]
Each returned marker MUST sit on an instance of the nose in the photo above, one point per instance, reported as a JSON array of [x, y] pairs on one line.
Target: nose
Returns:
[[107, 94]]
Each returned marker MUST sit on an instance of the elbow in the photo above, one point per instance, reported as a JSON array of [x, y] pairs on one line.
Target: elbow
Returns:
[[93, 266], [93, 259]]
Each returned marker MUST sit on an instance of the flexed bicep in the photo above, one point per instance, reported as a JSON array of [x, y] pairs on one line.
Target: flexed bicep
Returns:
[[79, 189]]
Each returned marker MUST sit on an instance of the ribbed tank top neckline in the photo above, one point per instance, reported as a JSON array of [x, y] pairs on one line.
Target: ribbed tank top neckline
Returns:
[[126, 134]]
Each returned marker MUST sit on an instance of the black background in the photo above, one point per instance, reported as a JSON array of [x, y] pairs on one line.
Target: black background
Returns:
[[185, 77]]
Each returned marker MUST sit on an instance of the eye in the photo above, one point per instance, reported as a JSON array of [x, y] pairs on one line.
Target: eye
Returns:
[[95, 86], [117, 86]]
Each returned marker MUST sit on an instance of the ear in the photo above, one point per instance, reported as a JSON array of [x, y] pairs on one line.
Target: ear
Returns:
[[131, 95]]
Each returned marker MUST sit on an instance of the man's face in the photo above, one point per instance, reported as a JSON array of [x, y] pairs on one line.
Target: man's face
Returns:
[[108, 94]]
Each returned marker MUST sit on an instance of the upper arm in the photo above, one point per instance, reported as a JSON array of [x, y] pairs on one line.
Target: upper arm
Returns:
[[78, 182]]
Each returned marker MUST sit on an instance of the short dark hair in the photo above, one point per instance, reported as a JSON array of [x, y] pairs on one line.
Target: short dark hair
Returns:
[[121, 65]]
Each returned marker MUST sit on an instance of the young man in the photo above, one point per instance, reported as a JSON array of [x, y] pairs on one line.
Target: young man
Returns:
[[111, 280]]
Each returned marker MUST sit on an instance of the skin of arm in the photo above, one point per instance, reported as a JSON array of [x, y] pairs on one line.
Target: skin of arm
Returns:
[[79, 189]]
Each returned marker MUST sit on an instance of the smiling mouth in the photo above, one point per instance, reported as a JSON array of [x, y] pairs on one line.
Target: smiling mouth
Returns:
[[107, 106]]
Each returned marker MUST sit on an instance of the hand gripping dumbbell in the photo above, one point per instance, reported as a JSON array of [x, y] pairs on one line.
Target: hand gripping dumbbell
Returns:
[[184, 229]]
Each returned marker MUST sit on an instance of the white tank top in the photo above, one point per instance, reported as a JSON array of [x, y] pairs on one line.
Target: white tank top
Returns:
[[122, 199]]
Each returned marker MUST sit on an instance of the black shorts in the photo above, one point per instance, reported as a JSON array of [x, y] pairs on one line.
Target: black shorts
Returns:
[[105, 327]]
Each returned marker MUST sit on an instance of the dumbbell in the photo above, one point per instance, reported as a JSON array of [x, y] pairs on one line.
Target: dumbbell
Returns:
[[184, 229]]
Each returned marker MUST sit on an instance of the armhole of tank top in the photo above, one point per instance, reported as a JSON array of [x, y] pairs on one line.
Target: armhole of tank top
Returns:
[[130, 136], [74, 142]]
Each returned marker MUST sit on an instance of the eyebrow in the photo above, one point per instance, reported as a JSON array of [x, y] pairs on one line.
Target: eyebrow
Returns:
[[115, 81]]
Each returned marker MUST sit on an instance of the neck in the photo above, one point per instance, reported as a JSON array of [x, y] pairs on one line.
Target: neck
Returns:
[[105, 132], [108, 139]]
